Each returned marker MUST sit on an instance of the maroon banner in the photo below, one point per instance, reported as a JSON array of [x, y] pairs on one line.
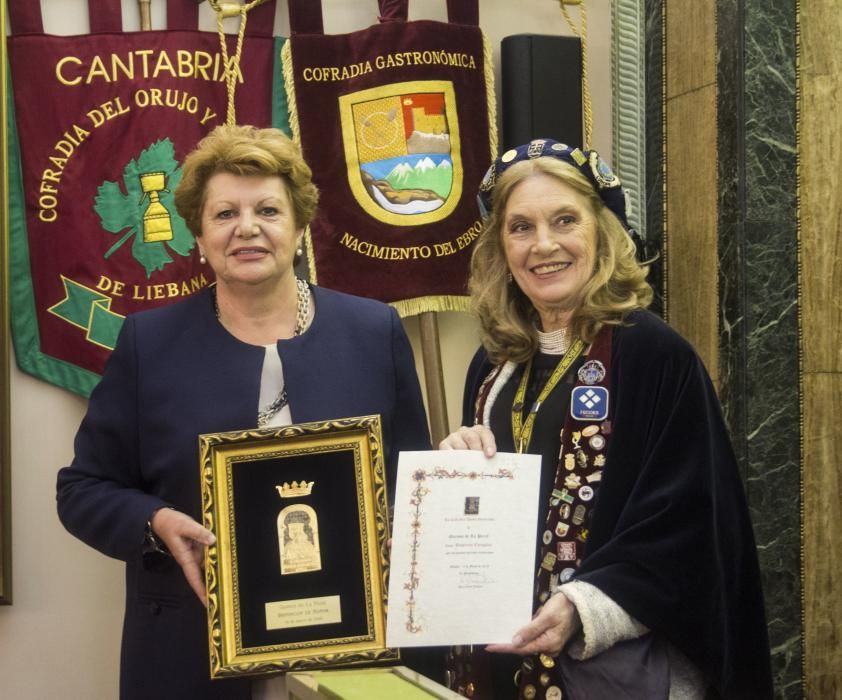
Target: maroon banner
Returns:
[[103, 122], [397, 123]]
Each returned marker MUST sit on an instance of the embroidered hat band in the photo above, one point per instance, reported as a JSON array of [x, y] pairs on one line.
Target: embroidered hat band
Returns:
[[589, 163]]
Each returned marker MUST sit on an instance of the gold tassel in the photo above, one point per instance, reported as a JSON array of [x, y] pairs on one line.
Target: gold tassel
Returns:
[[231, 67], [587, 112]]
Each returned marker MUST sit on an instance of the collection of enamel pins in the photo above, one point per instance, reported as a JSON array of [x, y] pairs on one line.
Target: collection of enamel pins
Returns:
[[582, 459]]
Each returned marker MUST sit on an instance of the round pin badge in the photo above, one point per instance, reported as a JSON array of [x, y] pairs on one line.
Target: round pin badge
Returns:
[[548, 537], [597, 442], [553, 693], [529, 691], [592, 372], [566, 575], [602, 172], [586, 493]]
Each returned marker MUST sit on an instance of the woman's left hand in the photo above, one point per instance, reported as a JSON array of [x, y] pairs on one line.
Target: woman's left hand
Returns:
[[551, 628]]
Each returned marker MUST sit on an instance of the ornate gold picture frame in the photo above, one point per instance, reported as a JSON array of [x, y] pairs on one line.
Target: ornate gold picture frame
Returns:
[[297, 577]]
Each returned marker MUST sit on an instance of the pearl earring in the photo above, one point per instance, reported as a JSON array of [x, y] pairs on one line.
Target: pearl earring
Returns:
[[202, 259]]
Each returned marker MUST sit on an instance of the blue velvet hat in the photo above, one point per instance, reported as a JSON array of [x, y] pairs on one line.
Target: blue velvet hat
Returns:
[[589, 163]]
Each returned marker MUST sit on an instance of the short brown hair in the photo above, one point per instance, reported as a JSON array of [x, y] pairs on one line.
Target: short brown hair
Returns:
[[617, 286], [249, 151]]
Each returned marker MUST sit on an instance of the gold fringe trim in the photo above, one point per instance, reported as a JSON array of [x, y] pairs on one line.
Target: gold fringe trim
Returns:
[[421, 305], [491, 95]]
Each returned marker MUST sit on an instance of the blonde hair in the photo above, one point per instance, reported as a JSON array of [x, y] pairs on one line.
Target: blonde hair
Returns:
[[248, 151], [508, 319]]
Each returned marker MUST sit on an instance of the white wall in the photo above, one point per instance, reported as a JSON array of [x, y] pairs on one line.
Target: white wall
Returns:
[[60, 638]]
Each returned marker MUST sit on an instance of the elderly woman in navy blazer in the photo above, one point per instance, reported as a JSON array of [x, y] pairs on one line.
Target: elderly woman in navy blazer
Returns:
[[258, 348]]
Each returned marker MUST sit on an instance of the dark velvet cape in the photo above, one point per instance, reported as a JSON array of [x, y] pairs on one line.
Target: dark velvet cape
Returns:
[[671, 540]]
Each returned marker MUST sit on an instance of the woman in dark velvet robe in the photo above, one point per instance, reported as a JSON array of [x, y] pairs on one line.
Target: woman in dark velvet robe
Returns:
[[259, 348], [647, 581]]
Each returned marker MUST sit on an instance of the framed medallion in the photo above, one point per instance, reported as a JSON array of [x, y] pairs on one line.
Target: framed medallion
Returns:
[[297, 577]]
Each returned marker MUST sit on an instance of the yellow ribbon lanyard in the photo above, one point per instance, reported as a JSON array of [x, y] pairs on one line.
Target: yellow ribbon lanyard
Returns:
[[522, 431]]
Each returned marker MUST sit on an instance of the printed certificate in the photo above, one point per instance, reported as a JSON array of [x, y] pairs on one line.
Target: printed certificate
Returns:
[[463, 548]]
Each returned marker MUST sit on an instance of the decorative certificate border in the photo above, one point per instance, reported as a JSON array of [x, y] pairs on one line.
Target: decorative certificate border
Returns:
[[421, 477]]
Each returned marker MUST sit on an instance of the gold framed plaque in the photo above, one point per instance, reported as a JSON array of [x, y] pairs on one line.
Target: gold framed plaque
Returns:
[[297, 577]]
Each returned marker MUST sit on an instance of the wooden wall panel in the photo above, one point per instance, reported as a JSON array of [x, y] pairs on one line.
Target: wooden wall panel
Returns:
[[820, 219], [691, 176], [692, 267], [690, 45], [821, 186], [822, 489]]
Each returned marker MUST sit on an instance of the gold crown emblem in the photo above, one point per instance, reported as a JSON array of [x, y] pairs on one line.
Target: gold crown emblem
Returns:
[[295, 489]]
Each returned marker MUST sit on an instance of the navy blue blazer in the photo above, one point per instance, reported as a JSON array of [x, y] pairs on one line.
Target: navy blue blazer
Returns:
[[176, 373]]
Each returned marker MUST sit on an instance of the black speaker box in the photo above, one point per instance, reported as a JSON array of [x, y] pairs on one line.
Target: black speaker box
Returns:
[[542, 89]]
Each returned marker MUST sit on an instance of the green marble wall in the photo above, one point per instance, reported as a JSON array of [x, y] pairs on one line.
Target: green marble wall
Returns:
[[758, 294], [759, 297]]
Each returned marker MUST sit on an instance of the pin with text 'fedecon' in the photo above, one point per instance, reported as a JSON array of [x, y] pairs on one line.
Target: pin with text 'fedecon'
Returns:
[[589, 403]]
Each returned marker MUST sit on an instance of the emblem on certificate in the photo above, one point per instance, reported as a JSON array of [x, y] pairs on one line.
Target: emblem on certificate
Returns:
[[298, 532]]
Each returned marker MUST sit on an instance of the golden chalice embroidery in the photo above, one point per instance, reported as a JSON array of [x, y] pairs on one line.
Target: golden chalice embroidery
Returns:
[[157, 224]]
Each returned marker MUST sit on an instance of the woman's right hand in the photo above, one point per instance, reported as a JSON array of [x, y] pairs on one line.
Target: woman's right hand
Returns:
[[477, 437], [186, 540]]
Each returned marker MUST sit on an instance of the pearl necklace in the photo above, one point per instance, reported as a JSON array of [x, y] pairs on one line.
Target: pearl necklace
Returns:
[[555, 342], [302, 306]]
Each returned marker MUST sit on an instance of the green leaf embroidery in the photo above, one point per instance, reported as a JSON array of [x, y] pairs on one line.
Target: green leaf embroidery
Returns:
[[118, 212]]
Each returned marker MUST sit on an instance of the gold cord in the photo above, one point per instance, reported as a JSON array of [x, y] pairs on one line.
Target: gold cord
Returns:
[[232, 68], [586, 89]]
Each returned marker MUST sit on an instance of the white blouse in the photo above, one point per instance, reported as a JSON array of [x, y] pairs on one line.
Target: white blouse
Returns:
[[271, 384]]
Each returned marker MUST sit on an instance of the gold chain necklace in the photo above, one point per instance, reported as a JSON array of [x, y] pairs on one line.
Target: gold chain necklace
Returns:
[[302, 305]]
